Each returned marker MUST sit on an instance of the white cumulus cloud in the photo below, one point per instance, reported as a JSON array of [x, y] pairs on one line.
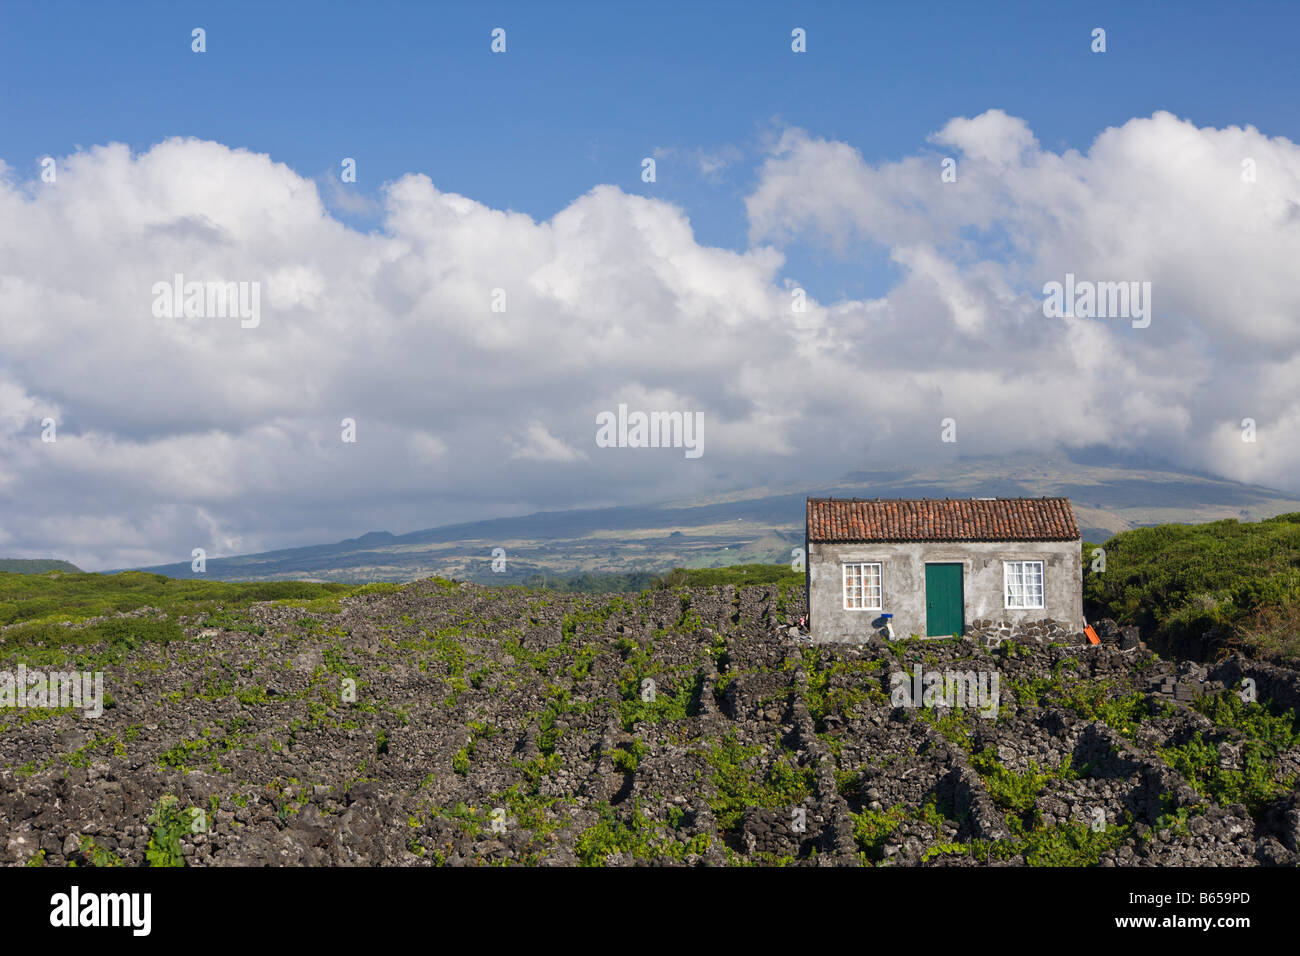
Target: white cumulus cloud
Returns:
[[183, 433]]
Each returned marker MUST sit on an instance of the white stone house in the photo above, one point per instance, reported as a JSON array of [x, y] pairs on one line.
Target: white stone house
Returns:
[[983, 567]]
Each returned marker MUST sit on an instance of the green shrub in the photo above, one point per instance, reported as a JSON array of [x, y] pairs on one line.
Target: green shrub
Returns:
[[871, 828], [96, 854], [738, 576], [740, 782], [1012, 791], [629, 758], [169, 823], [460, 761], [1178, 581], [1256, 784], [636, 836]]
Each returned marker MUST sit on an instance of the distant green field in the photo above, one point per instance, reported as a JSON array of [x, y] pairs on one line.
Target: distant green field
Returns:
[[789, 584], [1176, 582], [35, 565], [586, 582], [738, 575], [34, 608], [38, 604]]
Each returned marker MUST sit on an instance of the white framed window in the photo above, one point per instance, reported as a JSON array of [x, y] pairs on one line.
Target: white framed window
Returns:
[[1024, 584], [862, 588]]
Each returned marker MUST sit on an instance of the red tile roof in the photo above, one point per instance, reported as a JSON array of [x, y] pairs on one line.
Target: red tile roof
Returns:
[[941, 519]]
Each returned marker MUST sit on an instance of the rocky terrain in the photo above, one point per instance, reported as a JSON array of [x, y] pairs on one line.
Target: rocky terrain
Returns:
[[457, 724]]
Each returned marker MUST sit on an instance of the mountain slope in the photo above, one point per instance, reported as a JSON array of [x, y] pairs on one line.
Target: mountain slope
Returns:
[[755, 525]]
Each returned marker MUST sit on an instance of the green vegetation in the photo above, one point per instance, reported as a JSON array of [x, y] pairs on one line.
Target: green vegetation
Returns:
[[97, 855], [1254, 785], [844, 688], [637, 836], [37, 606], [35, 566], [1240, 580], [73, 597], [1062, 844], [654, 703], [1016, 792], [740, 782], [738, 575], [1065, 844], [205, 750], [663, 706], [1267, 723], [1120, 711], [871, 828], [169, 822], [789, 584], [591, 583], [1269, 732], [952, 723], [460, 761], [627, 759]]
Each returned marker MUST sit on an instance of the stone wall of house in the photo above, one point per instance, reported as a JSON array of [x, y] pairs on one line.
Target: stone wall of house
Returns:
[[1046, 631], [903, 574]]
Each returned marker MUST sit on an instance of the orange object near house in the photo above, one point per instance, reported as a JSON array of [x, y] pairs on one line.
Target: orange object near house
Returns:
[[1092, 635]]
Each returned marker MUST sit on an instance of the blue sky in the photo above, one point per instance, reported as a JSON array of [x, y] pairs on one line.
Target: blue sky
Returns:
[[587, 89]]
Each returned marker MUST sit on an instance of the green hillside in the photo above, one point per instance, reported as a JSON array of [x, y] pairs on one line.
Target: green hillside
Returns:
[[1238, 582], [35, 610], [35, 565]]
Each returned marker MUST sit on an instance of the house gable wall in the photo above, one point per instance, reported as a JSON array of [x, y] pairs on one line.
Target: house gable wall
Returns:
[[903, 579]]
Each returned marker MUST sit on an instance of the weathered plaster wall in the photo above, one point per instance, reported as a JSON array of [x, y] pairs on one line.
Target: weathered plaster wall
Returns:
[[903, 579]]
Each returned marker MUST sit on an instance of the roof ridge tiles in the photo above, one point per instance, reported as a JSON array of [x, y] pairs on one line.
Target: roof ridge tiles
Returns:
[[1045, 518]]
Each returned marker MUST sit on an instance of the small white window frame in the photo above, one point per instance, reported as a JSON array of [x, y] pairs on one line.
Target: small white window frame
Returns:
[[865, 596], [1025, 602]]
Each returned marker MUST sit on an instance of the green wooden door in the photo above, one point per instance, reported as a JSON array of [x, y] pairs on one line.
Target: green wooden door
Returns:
[[944, 614]]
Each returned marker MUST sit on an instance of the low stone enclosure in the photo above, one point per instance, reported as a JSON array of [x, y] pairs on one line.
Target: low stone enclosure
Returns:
[[679, 727], [993, 633]]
